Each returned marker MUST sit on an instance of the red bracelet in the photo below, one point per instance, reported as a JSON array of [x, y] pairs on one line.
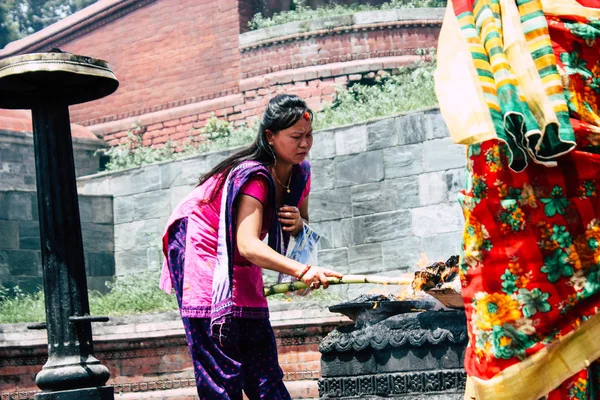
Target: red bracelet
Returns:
[[303, 272]]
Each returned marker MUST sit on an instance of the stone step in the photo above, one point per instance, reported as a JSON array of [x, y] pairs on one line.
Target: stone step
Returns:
[[306, 389]]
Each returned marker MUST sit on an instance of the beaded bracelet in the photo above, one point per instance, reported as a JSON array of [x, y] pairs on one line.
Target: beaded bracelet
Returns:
[[303, 272]]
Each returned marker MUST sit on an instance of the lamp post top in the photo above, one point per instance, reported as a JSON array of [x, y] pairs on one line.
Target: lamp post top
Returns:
[[27, 80]]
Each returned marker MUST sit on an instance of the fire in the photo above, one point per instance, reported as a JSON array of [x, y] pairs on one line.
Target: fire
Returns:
[[423, 261]]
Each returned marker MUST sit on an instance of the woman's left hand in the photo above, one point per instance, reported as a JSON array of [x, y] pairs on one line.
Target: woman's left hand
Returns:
[[290, 219]]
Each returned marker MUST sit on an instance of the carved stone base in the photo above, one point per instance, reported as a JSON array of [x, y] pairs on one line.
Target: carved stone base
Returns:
[[97, 393], [431, 385]]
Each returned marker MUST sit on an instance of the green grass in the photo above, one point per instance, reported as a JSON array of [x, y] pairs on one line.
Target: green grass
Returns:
[[303, 13], [135, 293]]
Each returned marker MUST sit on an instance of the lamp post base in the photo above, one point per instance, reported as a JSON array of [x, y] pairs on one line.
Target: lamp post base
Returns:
[[96, 393]]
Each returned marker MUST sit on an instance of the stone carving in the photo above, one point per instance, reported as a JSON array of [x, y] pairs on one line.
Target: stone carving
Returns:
[[410, 355], [386, 385]]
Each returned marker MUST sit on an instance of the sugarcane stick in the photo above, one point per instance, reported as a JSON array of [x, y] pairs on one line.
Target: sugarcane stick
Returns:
[[346, 279]]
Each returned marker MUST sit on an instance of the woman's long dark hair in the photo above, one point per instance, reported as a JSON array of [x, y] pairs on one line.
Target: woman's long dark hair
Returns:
[[282, 112]]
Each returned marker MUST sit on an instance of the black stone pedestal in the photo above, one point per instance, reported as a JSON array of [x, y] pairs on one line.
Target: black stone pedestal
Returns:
[[47, 84], [409, 356]]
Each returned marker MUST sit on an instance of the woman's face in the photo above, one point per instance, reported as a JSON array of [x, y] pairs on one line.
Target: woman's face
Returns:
[[292, 145]]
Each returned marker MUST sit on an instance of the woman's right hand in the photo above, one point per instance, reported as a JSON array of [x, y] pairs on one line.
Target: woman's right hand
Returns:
[[317, 276]]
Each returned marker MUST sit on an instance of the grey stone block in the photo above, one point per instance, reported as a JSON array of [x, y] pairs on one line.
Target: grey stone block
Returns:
[[324, 230], [131, 261], [9, 235], [343, 233], [436, 219], [29, 235], [97, 237], [19, 206], [154, 255], [85, 209], [153, 204], [215, 157], [433, 188], [382, 227], [191, 171], [336, 259], [170, 172], [96, 186], [126, 234], [102, 210], [22, 262], [365, 258], [3, 206], [403, 161], [360, 168], [385, 196], [441, 247], [178, 193], [372, 17], [435, 125], [443, 154], [402, 254], [330, 204], [323, 174], [139, 234], [10, 154], [410, 128], [123, 209], [324, 145], [100, 264], [455, 182], [382, 134], [12, 180], [351, 140], [143, 179], [35, 212]]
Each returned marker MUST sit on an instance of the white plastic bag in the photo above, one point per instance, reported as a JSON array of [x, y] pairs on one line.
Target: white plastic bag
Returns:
[[302, 248]]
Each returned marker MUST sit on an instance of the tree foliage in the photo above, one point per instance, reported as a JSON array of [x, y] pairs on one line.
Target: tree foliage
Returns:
[[19, 18]]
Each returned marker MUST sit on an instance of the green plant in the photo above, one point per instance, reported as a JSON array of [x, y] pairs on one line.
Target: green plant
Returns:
[[17, 306], [409, 88], [301, 12], [217, 134]]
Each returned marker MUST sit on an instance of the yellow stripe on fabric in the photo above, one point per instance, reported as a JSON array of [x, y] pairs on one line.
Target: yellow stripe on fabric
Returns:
[[460, 92], [525, 67], [529, 7], [569, 7], [545, 370]]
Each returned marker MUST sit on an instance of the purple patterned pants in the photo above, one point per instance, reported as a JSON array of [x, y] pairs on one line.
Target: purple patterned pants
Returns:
[[249, 363]]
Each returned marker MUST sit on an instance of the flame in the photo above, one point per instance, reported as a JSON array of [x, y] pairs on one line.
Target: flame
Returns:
[[375, 305], [423, 261]]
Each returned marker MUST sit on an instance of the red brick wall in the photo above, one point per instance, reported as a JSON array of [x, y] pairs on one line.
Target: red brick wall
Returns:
[[163, 362], [164, 52], [314, 84], [404, 38]]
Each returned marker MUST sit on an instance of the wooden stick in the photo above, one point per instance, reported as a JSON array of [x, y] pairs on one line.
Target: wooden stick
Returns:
[[346, 280]]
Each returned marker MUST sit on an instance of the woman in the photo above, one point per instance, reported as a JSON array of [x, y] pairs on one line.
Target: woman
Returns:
[[519, 83], [214, 254]]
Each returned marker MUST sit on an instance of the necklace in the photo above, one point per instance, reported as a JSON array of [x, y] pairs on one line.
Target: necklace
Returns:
[[286, 187]]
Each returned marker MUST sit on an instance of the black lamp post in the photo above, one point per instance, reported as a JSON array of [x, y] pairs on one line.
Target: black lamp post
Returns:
[[47, 84]]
